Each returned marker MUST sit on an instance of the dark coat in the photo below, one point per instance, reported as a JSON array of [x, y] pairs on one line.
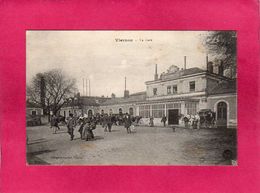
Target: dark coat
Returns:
[[128, 121]]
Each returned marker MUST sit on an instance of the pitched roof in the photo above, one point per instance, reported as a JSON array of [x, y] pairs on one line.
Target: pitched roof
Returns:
[[30, 104], [224, 87], [87, 101], [135, 97]]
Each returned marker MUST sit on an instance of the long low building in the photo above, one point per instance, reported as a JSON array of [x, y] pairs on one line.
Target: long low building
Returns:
[[176, 93]]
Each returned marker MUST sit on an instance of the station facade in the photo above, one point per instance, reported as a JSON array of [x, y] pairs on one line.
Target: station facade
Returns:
[[175, 93]]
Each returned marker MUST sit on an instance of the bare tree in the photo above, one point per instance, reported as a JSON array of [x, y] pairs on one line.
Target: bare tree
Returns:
[[51, 89], [222, 45]]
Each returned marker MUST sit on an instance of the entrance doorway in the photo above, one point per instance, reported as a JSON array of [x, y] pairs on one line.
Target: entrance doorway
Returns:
[[222, 114], [173, 117]]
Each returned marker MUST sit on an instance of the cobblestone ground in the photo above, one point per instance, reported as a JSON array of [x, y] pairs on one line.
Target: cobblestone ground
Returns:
[[148, 146]]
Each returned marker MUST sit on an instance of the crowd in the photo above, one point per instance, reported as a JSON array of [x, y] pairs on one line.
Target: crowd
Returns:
[[88, 124]]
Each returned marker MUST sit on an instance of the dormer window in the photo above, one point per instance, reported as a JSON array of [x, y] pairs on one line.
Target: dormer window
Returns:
[[154, 91], [192, 86]]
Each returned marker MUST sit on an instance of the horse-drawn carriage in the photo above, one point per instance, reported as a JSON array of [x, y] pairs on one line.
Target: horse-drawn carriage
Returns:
[[207, 118]]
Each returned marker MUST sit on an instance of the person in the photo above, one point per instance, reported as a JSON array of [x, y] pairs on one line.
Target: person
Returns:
[[105, 122], [164, 119], [109, 123], [87, 130], [55, 124], [186, 121], [128, 122], [151, 122], [82, 124], [71, 124]]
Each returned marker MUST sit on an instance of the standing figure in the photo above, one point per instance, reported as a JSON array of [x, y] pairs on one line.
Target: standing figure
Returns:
[[71, 124], [109, 123], [55, 124], [128, 122], [105, 122], [186, 121], [151, 122], [82, 124], [164, 119]]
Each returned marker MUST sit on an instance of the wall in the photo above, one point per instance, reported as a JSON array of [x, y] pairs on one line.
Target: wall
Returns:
[[115, 108], [231, 100], [183, 86], [39, 111]]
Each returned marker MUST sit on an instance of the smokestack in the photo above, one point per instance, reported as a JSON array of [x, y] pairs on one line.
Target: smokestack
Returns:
[[155, 75], [83, 87], [184, 62], [126, 92], [86, 87], [125, 83], [89, 88], [207, 62]]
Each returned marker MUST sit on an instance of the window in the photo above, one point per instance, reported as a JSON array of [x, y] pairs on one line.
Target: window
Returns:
[[169, 90], [158, 110], [33, 113], [120, 111], [192, 86], [144, 111], [174, 89], [154, 91], [191, 108]]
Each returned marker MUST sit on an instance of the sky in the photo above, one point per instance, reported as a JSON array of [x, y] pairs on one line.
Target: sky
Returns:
[[105, 61]]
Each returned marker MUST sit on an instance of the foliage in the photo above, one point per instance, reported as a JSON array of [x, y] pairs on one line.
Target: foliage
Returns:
[[222, 45], [51, 89]]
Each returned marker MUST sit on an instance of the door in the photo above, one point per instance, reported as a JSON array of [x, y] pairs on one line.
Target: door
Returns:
[[222, 114], [173, 117]]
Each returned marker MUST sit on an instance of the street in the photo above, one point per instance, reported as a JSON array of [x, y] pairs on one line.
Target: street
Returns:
[[147, 146]]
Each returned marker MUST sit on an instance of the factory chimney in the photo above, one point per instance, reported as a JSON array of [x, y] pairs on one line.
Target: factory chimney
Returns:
[[126, 92], [184, 63], [156, 74]]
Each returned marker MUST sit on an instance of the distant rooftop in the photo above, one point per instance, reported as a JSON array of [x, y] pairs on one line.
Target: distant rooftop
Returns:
[[135, 97]]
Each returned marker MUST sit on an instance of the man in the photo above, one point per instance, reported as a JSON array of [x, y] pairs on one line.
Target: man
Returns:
[[151, 123], [71, 124], [128, 122], [109, 123], [164, 119]]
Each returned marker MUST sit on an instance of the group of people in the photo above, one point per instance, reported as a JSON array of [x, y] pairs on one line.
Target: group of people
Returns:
[[88, 124], [107, 121]]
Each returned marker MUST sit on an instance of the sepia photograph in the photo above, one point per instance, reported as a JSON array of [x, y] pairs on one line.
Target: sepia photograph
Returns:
[[131, 97]]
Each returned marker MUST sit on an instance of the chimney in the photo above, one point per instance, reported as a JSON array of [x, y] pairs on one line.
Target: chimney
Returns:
[[83, 87], [89, 92], [210, 67], [184, 63], [221, 68], [113, 96], [126, 93], [156, 74]]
